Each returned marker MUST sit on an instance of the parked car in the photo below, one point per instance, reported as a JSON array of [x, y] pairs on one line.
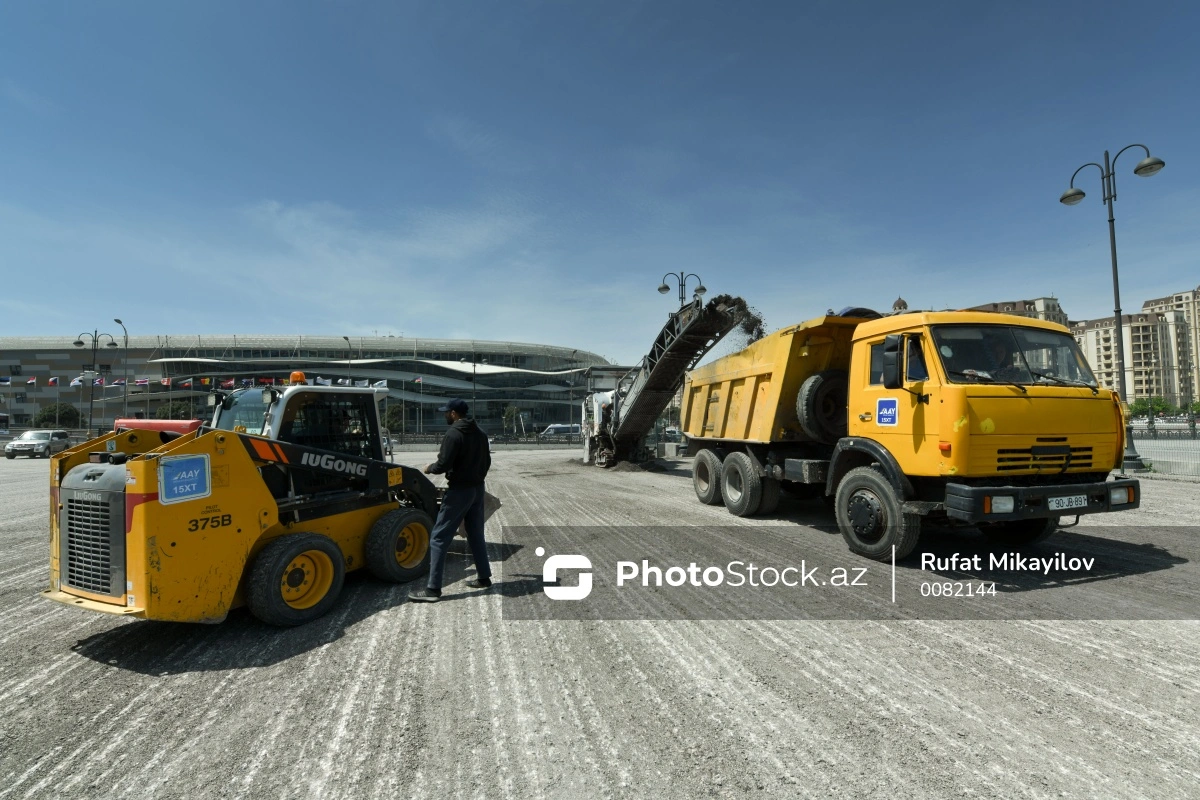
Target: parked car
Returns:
[[36, 444], [561, 430]]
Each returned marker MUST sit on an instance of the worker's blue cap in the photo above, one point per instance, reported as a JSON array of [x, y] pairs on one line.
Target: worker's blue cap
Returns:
[[457, 406]]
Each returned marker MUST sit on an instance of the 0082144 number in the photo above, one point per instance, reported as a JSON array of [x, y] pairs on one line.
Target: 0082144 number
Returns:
[[952, 589], [210, 522]]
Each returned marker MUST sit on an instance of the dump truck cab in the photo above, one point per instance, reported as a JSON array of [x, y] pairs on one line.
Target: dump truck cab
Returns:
[[268, 506]]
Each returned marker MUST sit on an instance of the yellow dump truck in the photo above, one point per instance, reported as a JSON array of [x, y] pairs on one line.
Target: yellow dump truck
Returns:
[[968, 417], [268, 506]]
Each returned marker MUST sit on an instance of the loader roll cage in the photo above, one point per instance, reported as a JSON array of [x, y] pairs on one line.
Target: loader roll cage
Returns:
[[340, 478]]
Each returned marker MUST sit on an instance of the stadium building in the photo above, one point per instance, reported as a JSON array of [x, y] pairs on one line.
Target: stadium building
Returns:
[[544, 382]]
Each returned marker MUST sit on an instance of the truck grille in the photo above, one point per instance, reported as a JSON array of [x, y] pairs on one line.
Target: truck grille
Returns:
[[88, 545], [1050, 453]]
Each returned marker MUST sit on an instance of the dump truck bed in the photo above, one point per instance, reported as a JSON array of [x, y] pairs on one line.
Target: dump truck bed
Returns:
[[750, 395]]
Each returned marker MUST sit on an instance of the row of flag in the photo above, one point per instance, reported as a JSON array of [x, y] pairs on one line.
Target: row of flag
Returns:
[[5, 381], [188, 383]]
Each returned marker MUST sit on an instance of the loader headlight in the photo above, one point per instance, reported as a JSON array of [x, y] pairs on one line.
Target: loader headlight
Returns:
[[1121, 495]]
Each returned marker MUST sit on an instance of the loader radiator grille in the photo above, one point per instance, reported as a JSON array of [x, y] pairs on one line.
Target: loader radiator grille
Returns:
[[88, 546]]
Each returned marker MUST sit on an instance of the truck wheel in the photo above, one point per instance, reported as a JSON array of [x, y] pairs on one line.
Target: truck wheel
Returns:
[[741, 485], [769, 501], [295, 579], [397, 547], [821, 405], [706, 477], [870, 516], [1019, 531]]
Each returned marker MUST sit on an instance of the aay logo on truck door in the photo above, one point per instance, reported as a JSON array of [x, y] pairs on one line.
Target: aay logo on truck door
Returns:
[[887, 411]]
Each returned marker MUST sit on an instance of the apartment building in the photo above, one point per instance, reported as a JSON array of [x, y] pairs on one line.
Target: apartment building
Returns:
[[1186, 303], [1046, 308], [1157, 351]]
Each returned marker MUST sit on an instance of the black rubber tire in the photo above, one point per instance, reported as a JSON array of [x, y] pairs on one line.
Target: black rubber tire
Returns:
[[389, 538], [871, 518], [821, 405], [270, 569], [741, 485], [9, 456], [1016, 533], [706, 477], [769, 501]]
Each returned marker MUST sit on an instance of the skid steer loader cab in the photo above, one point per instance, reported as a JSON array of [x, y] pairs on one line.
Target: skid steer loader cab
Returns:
[[268, 506]]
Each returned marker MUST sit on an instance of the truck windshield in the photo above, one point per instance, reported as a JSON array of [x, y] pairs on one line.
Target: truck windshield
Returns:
[[1010, 354], [242, 409]]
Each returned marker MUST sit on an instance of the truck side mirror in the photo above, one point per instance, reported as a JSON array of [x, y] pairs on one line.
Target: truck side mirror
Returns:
[[891, 361]]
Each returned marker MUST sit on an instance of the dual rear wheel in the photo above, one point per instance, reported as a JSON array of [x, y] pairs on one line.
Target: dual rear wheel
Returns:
[[735, 482]]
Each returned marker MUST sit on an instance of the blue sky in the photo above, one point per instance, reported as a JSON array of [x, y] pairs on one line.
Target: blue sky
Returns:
[[528, 171]]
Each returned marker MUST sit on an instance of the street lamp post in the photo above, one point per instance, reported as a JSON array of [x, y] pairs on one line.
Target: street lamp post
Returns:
[[95, 337], [463, 361], [1108, 182], [681, 279], [124, 370], [349, 355]]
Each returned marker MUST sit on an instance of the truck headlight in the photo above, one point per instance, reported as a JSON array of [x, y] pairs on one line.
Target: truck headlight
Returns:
[[1003, 504], [1120, 495]]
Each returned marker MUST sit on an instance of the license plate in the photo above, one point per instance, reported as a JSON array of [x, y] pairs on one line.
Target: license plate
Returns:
[[1065, 503]]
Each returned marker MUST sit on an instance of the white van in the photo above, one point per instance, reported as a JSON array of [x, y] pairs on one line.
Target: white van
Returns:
[[561, 430]]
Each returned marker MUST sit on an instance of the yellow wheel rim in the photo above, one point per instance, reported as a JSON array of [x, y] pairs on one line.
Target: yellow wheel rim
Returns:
[[411, 545], [307, 579]]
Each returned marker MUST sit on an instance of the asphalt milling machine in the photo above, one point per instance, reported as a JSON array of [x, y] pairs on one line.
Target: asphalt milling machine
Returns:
[[623, 404]]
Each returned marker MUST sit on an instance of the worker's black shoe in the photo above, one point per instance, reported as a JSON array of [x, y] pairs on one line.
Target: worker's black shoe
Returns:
[[425, 595], [479, 583]]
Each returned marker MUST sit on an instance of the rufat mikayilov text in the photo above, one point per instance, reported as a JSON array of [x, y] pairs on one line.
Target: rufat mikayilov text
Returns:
[[738, 573], [1007, 562]]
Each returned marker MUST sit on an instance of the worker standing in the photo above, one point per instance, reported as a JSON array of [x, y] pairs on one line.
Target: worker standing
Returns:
[[465, 459]]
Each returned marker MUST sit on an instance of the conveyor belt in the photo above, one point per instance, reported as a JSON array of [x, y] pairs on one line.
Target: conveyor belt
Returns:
[[688, 335]]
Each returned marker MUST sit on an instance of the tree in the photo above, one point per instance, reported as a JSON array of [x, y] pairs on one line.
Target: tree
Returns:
[[67, 416], [177, 409], [1150, 406], [510, 418]]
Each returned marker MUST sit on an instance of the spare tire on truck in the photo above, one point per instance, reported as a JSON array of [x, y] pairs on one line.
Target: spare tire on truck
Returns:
[[821, 405]]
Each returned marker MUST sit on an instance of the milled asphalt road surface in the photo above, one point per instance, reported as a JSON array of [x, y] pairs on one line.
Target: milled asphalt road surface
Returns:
[[390, 699]]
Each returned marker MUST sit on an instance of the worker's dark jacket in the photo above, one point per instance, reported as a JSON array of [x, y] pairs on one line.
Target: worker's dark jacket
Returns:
[[464, 456]]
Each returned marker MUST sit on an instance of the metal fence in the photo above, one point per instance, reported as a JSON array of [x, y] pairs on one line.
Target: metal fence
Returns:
[[1170, 448]]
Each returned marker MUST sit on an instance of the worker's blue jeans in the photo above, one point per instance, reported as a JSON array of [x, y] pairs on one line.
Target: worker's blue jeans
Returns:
[[458, 504]]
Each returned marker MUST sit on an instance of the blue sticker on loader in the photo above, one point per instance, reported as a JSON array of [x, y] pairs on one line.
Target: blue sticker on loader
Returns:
[[183, 478], [887, 411]]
